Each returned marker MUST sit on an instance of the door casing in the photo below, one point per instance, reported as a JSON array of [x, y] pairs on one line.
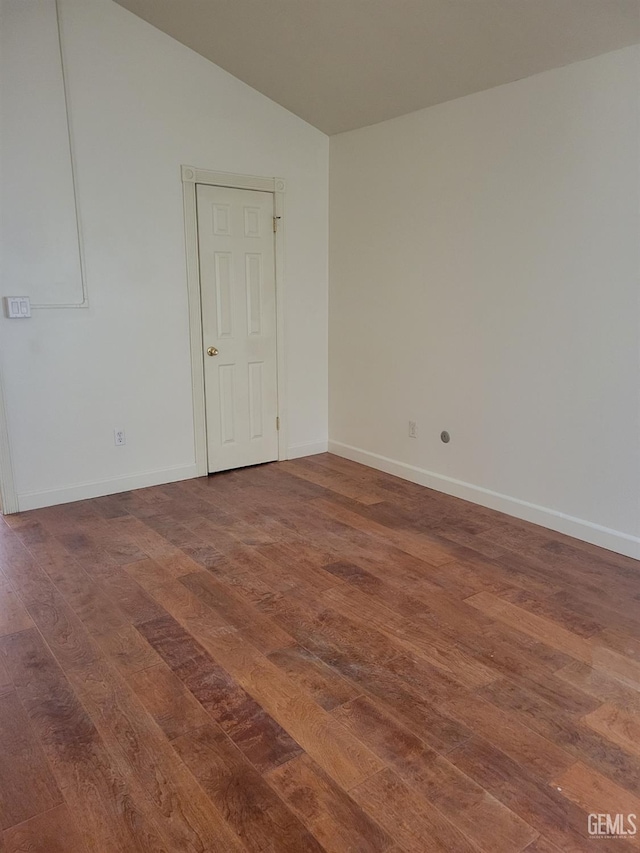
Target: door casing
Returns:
[[8, 496], [190, 177]]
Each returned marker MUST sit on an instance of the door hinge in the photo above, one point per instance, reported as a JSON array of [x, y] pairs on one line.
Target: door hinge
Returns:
[[275, 223], [277, 423]]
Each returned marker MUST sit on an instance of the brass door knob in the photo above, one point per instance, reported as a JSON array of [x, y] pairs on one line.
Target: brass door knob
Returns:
[[212, 351]]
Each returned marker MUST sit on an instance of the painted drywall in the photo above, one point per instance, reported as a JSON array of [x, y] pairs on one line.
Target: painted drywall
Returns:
[[484, 259], [141, 105], [39, 228]]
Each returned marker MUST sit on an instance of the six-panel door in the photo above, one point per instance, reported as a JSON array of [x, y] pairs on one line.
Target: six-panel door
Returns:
[[237, 280]]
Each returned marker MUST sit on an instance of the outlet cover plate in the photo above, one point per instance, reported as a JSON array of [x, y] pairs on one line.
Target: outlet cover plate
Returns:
[[17, 307]]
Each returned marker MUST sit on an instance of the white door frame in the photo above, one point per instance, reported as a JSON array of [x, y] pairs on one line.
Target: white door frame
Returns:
[[8, 496], [190, 177]]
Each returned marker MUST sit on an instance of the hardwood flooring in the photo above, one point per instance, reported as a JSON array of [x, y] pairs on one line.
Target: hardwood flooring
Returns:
[[311, 656]]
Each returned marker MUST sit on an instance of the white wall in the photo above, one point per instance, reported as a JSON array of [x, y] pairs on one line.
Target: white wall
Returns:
[[39, 228], [141, 105], [484, 259]]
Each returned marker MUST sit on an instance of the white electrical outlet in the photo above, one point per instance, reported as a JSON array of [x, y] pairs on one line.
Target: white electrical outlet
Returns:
[[119, 437], [413, 429]]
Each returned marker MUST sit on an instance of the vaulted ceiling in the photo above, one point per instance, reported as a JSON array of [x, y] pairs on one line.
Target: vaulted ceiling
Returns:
[[343, 64]]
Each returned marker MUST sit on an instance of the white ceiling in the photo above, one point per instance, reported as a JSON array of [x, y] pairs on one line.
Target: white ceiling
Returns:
[[343, 64]]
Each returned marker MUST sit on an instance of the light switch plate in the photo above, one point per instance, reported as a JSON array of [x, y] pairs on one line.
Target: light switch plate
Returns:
[[17, 307]]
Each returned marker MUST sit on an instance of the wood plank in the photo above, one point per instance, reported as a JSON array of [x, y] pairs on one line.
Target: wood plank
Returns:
[[55, 831], [55, 619], [324, 684], [92, 786], [127, 650], [130, 597], [414, 544], [265, 743], [27, 786], [616, 725], [153, 544], [482, 818], [543, 845], [325, 740], [411, 634], [13, 614], [539, 804], [619, 641], [539, 627], [337, 610], [316, 732], [601, 685], [619, 666], [595, 605], [300, 566], [557, 696], [474, 650], [6, 684], [168, 701], [330, 814], [358, 666], [259, 630], [575, 737], [407, 817], [550, 607], [462, 579], [150, 573], [74, 614], [595, 793], [334, 482], [187, 816], [245, 799], [175, 597]]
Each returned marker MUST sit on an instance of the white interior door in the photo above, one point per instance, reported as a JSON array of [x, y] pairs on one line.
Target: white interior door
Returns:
[[237, 281]]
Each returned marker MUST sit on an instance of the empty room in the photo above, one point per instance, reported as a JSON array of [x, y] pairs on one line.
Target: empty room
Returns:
[[319, 426]]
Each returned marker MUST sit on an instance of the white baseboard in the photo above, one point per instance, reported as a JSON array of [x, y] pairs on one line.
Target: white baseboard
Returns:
[[82, 491], [596, 534], [309, 448]]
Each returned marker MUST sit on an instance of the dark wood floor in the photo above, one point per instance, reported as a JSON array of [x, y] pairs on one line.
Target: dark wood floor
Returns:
[[311, 656]]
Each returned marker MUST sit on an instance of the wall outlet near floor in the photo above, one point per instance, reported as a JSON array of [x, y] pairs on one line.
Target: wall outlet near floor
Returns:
[[413, 429], [119, 437]]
